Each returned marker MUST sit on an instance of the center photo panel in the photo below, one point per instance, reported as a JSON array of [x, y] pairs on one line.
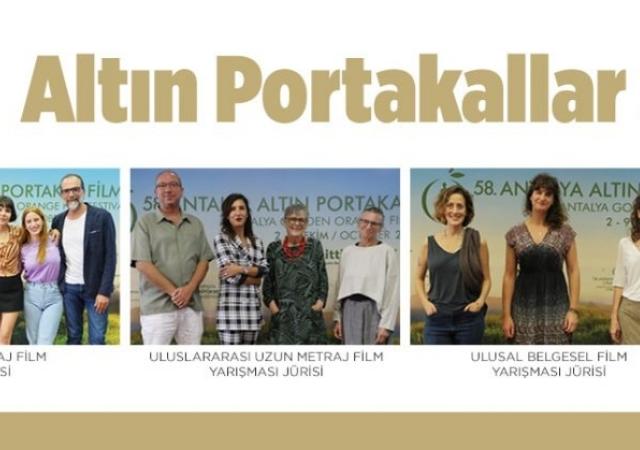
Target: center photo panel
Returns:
[[265, 256]]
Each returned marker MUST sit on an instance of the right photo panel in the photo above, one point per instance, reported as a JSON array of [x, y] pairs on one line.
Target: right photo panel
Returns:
[[525, 256]]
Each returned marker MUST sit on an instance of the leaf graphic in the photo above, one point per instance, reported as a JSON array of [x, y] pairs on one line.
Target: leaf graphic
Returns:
[[457, 175]]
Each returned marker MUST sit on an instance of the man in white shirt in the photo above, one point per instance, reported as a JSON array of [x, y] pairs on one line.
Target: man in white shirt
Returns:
[[88, 250]]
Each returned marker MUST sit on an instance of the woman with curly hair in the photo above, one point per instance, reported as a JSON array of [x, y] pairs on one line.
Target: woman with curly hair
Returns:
[[457, 262], [625, 314], [537, 306]]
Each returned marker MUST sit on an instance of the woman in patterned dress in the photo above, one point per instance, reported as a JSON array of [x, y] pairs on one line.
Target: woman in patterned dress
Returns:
[[537, 306], [295, 289], [241, 262]]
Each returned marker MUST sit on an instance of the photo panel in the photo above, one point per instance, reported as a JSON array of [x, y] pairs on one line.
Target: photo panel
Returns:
[[61, 281], [243, 272], [598, 207]]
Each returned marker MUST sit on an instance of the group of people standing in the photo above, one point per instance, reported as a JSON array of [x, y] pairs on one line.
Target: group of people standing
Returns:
[[172, 254], [69, 269], [539, 306]]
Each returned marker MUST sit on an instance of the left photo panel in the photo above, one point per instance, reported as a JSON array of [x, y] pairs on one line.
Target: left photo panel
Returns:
[[59, 276]]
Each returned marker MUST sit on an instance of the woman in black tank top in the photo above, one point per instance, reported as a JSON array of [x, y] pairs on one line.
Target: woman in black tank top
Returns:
[[457, 262]]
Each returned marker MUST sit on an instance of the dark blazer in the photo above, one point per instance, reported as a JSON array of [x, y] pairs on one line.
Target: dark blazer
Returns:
[[99, 251]]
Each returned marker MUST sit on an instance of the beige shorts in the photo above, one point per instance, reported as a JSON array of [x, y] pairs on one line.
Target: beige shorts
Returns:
[[629, 317]]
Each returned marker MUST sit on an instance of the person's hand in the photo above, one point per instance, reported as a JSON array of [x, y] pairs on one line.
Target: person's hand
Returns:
[[101, 304], [474, 307], [382, 336], [318, 305], [273, 307], [337, 330], [54, 236], [430, 309], [615, 331], [182, 296], [508, 327], [570, 322], [231, 270]]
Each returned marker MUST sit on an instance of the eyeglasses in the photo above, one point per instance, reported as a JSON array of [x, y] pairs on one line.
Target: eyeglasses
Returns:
[[170, 185], [296, 220], [368, 223], [75, 190]]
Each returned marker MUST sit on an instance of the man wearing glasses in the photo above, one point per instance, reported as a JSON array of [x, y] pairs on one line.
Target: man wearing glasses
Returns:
[[88, 250], [368, 286], [171, 252]]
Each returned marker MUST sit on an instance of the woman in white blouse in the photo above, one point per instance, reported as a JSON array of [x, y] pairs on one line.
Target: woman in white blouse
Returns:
[[368, 286], [625, 315]]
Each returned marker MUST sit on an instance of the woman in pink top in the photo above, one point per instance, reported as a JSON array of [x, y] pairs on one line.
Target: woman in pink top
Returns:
[[41, 264]]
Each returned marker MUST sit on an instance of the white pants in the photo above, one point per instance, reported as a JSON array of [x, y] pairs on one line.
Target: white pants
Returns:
[[185, 325]]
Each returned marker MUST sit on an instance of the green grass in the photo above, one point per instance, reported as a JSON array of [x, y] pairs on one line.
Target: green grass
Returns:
[[112, 337], [593, 329]]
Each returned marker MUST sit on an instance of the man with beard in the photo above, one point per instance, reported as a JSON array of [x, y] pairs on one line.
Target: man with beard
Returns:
[[88, 250], [170, 250]]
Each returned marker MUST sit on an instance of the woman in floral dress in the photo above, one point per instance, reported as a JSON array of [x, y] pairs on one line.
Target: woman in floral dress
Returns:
[[538, 307]]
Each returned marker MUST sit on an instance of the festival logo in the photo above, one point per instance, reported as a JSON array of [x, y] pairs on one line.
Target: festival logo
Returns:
[[432, 189]]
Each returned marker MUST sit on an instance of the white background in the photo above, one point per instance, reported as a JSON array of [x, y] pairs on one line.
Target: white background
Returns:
[[306, 36]]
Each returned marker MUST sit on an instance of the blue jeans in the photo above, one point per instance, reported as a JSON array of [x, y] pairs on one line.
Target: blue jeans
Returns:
[[75, 301], [462, 328], [42, 312]]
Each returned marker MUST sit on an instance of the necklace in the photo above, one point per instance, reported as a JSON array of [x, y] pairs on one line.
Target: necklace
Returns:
[[293, 251]]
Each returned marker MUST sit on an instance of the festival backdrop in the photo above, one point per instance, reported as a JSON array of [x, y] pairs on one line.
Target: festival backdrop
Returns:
[[335, 198], [598, 202], [41, 188]]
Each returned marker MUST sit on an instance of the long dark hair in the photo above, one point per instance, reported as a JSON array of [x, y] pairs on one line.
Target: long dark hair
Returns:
[[470, 265], [556, 216], [635, 221], [225, 225]]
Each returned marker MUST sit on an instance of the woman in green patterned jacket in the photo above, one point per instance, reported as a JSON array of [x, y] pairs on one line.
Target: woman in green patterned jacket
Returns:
[[295, 288]]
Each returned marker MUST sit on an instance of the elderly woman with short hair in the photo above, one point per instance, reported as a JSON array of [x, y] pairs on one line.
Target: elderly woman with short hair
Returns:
[[295, 288]]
